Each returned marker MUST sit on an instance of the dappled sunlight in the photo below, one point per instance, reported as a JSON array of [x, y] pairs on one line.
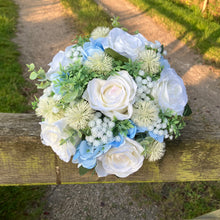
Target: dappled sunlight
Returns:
[[199, 73]]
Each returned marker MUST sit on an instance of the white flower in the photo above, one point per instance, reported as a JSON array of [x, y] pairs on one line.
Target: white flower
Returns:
[[150, 61], [100, 32], [79, 114], [52, 134], [46, 107], [121, 161], [145, 114], [62, 58], [124, 43], [99, 62], [114, 96], [170, 91], [155, 151]]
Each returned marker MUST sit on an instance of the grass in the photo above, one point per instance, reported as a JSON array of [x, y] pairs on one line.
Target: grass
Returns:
[[179, 200], [21, 202], [12, 85], [88, 15], [188, 24], [16, 202]]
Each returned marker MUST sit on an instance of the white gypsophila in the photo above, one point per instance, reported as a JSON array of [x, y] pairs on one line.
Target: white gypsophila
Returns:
[[155, 151], [52, 134], [150, 61], [170, 91], [121, 161], [114, 96], [100, 32], [99, 62], [64, 59], [145, 114], [46, 107], [124, 43], [79, 114]]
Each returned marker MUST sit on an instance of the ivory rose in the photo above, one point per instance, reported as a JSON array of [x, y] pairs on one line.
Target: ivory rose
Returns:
[[124, 43], [114, 96], [52, 134], [121, 161], [170, 91]]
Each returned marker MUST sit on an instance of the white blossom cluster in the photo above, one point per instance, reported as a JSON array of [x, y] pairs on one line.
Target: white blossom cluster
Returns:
[[144, 86], [101, 131]]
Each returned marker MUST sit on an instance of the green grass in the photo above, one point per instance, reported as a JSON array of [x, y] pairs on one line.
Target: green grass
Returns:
[[179, 200], [12, 84], [15, 202], [21, 202], [188, 24], [88, 15]]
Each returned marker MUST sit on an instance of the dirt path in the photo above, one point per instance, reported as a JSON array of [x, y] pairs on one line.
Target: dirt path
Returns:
[[43, 29]]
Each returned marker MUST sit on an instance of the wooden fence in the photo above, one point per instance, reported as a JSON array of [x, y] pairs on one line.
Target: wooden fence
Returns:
[[195, 156]]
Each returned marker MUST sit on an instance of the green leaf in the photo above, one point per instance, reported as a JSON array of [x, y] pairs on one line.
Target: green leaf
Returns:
[[116, 55], [187, 110], [83, 170], [33, 76], [31, 67]]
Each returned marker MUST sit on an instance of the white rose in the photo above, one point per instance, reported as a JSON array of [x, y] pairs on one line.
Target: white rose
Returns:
[[170, 91], [114, 96], [64, 59], [124, 43], [121, 161], [52, 134]]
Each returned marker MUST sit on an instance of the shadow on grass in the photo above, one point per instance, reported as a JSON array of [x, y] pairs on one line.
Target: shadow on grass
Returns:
[[199, 32]]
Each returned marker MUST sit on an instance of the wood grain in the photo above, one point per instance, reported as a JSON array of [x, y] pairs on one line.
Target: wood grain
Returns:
[[24, 160]]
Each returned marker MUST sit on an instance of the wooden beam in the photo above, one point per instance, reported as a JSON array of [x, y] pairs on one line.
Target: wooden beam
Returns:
[[195, 156], [215, 215]]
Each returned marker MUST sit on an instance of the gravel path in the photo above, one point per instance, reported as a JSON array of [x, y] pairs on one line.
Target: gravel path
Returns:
[[43, 29]]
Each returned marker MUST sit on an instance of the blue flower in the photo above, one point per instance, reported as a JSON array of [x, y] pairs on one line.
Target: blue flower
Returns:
[[86, 155], [94, 46], [132, 131], [151, 134], [131, 134], [56, 78]]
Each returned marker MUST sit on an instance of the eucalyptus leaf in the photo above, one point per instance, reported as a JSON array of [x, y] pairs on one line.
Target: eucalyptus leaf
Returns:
[[33, 76], [116, 55]]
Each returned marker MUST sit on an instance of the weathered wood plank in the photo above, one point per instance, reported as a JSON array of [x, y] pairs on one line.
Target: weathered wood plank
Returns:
[[215, 215], [24, 160]]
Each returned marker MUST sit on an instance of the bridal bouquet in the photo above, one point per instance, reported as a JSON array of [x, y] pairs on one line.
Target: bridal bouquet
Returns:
[[109, 102]]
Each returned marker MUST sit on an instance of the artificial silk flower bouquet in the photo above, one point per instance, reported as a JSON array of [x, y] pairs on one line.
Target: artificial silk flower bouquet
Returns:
[[110, 101]]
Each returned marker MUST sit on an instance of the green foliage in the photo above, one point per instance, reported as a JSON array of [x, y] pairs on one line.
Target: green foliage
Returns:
[[80, 40], [88, 15], [115, 22], [187, 110], [175, 122], [83, 170], [35, 103], [145, 143], [132, 67], [121, 127], [13, 87], [116, 55], [40, 75]]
